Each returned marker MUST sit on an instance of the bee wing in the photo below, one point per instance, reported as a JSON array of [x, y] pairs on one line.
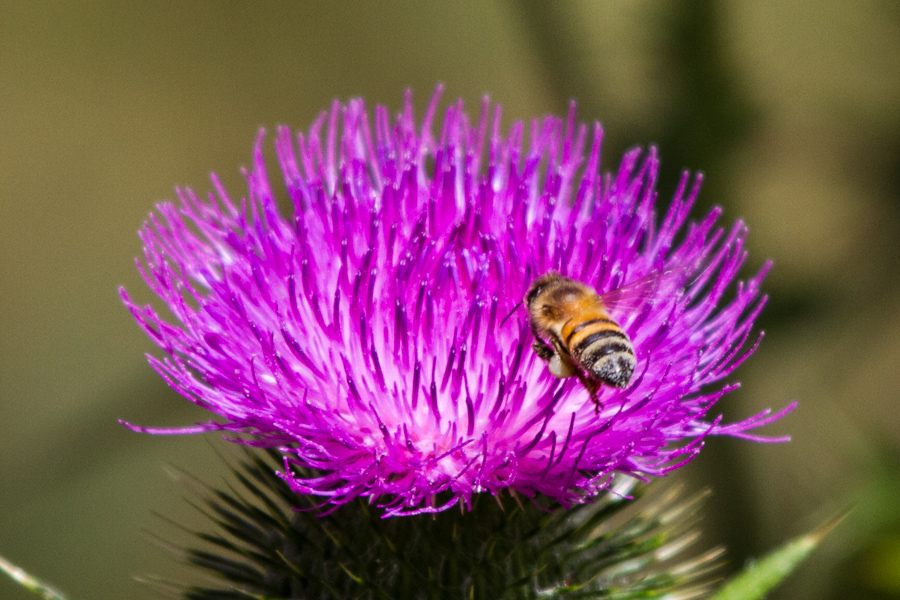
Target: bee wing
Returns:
[[634, 295]]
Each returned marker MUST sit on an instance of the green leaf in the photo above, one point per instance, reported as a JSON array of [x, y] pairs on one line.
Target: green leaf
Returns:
[[38, 587], [760, 577]]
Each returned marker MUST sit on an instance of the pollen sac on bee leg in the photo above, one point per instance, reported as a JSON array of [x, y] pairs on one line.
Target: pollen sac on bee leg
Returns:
[[561, 368]]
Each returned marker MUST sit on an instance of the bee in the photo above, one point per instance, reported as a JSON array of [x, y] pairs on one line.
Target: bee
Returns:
[[584, 340]]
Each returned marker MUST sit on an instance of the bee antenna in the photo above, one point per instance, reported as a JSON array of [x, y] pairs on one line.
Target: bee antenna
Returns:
[[514, 309]]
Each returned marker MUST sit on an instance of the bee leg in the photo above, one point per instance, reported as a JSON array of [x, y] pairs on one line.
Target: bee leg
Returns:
[[540, 347], [561, 365], [592, 387]]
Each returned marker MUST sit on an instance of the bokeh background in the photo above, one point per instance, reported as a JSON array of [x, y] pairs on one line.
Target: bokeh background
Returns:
[[791, 108]]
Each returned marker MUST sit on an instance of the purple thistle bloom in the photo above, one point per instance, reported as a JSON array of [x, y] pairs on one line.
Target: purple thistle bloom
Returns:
[[365, 335]]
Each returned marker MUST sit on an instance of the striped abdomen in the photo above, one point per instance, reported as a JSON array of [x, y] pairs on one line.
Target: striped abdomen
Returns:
[[600, 346]]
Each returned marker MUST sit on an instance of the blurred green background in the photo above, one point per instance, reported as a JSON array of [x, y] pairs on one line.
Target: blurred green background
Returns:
[[791, 108]]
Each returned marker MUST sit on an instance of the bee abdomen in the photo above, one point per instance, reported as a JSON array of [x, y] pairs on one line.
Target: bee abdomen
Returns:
[[608, 355], [604, 336], [586, 324]]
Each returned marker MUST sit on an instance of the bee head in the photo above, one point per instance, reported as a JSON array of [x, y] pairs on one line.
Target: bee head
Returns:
[[538, 286]]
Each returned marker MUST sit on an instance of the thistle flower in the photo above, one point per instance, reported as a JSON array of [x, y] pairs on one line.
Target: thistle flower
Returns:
[[364, 336]]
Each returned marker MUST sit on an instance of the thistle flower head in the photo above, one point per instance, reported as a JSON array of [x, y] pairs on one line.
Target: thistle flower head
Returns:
[[364, 335]]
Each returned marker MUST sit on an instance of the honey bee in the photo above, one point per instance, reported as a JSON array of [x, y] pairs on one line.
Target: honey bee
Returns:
[[584, 340]]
